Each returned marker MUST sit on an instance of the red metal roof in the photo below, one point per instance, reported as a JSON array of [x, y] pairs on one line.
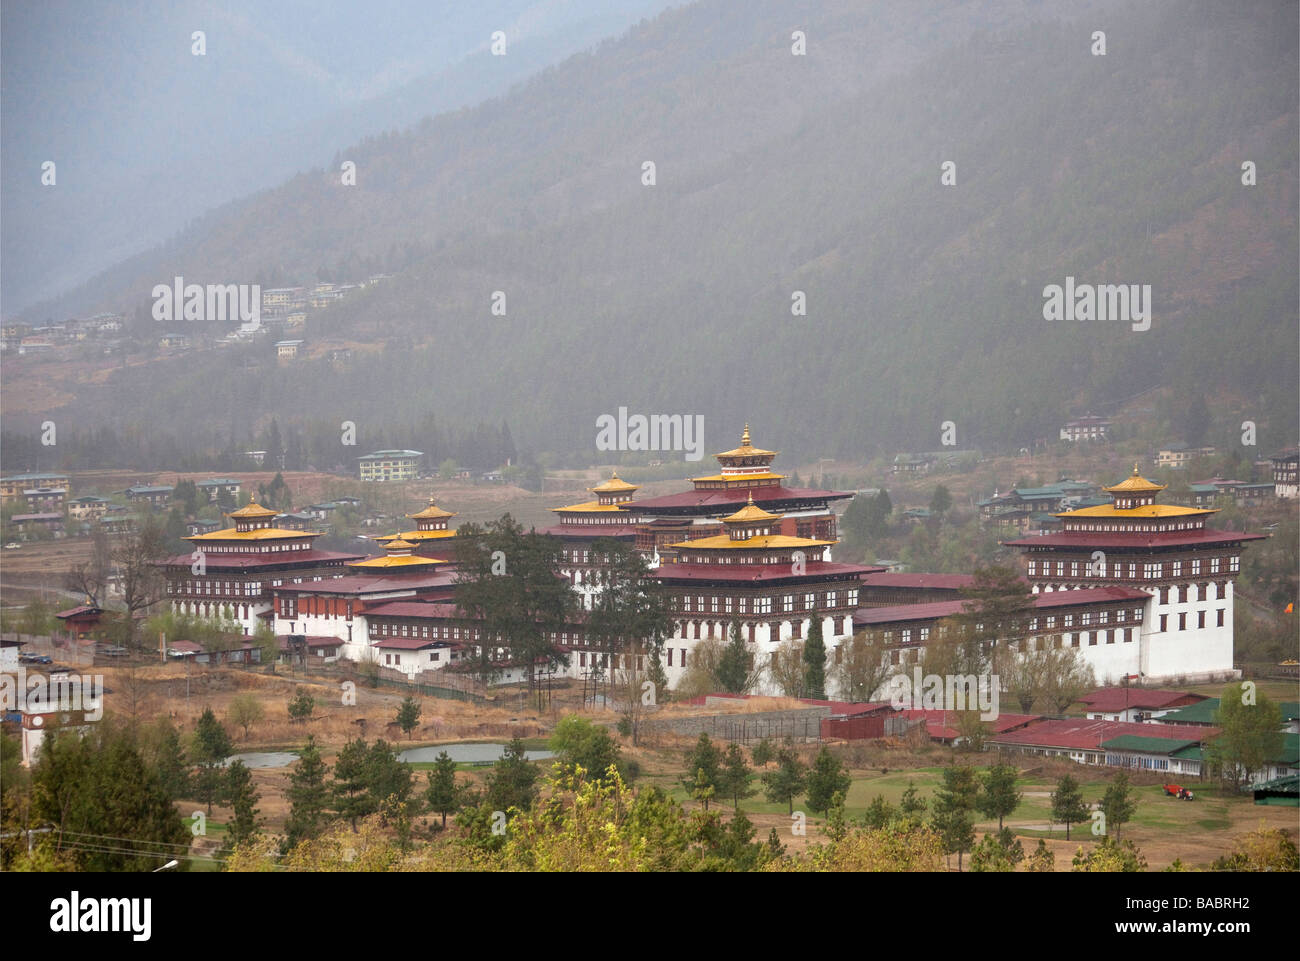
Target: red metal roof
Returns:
[[281, 560], [360, 584], [750, 573], [1117, 699], [736, 496], [945, 581], [409, 643], [81, 609], [1135, 539], [570, 531], [942, 725], [1082, 733], [1043, 600], [413, 609]]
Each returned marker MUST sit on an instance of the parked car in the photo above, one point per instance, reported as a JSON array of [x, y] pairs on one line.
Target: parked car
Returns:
[[29, 658], [12, 546]]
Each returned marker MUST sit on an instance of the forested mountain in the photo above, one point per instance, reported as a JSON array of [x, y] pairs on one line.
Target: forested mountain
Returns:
[[778, 173]]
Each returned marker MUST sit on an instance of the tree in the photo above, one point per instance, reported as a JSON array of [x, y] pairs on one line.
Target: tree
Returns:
[[163, 752], [506, 580], [733, 671], [444, 793], [579, 743], [244, 711], [787, 668], [864, 666], [512, 782], [814, 661], [1268, 849], [97, 785], [89, 578], [1066, 676], [954, 806], [350, 788], [998, 796], [941, 501], [389, 783], [1110, 856], [1068, 806], [736, 775], [243, 798], [998, 606], [211, 747], [1250, 736], [301, 706], [826, 778], [1118, 804], [763, 752], [912, 804], [629, 620], [408, 715], [308, 797], [703, 764], [1042, 860], [788, 780], [134, 558]]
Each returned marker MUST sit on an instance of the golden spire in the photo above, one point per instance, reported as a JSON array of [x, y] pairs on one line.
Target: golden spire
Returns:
[[744, 438]]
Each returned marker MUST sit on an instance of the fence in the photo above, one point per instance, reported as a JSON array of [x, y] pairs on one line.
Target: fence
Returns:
[[804, 723]]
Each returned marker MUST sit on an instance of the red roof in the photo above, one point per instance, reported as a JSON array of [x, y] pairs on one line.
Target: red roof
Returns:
[[1136, 539], [942, 725], [882, 578], [409, 643], [413, 609], [82, 610], [371, 583], [1081, 733], [736, 496], [313, 641], [1043, 600], [751, 573], [1116, 699], [280, 559]]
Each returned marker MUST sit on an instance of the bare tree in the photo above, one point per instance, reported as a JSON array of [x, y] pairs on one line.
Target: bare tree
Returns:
[[91, 577], [1066, 676], [135, 558], [864, 666], [786, 668]]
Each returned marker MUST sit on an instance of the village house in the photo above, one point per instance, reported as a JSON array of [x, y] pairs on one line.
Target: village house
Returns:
[[1286, 473], [1087, 428]]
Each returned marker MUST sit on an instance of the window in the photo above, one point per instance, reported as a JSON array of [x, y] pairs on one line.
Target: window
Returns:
[[1182, 621], [1196, 566], [1219, 617], [1234, 564], [808, 601], [787, 603], [1200, 618], [1214, 565], [1164, 622], [1182, 594]]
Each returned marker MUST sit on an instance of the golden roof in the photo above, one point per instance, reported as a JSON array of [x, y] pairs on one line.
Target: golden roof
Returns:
[[766, 475], [1147, 510], [1136, 484], [615, 485], [746, 449], [723, 542], [592, 506], [431, 513], [413, 536], [399, 544], [252, 510], [749, 514], [257, 534], [397, 560]]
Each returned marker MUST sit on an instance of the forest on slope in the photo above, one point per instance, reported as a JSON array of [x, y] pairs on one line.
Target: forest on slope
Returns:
[[778, 173]]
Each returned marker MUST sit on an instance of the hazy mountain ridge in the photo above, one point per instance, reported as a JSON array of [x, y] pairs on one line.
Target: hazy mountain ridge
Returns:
[[778, 173]]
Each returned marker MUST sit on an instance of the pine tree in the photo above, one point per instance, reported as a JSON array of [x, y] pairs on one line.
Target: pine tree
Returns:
[[954, 806], [788, 780], [998, 797], [350, 786], [735, 777], [308, 797], [1117, 804], [1068, 806], [825, 780], [211, 747], [443, 794], [703, 760], [733, 665], [814, 660], [513, 779], [243, 798], [408, 715]]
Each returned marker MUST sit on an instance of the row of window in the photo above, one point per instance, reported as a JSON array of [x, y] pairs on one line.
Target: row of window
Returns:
[[727, 604], [1150, 571], [214, 588]]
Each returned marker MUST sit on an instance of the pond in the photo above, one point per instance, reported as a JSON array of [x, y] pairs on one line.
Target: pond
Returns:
[[264, 759], [465, 753]]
